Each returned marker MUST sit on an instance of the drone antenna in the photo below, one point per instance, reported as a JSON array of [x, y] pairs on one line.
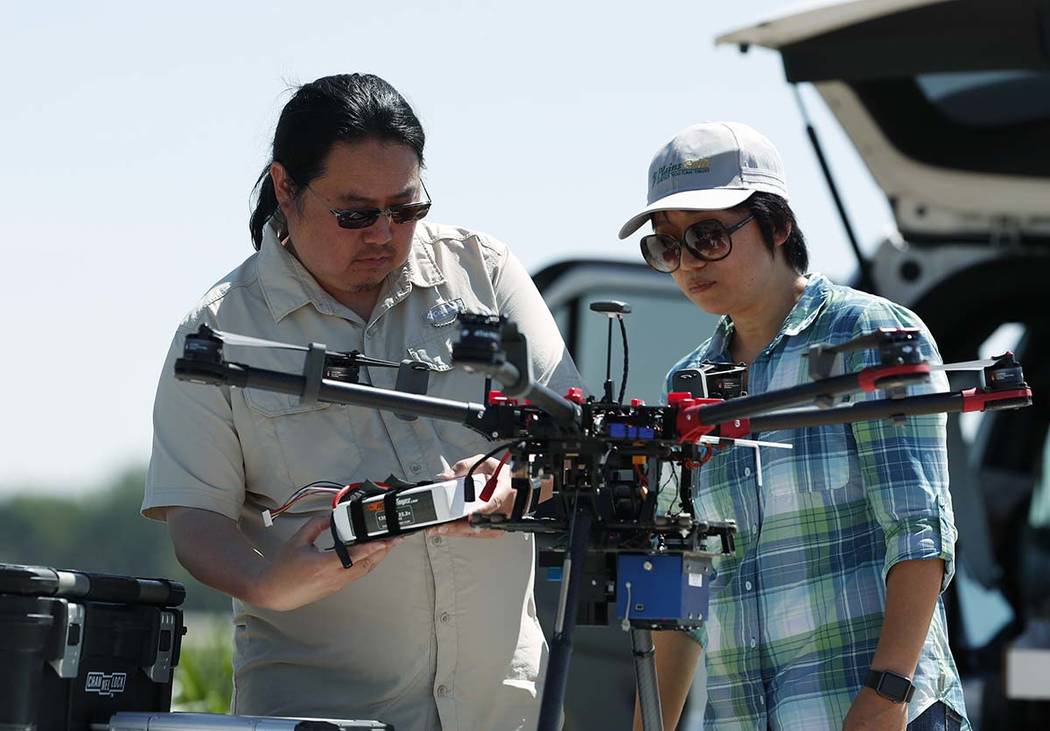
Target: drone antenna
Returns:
[[623, 379], [615, 310]]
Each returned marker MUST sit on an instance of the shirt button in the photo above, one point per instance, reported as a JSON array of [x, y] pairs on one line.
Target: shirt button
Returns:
[[442, 691], [747, 472], [436, 540], [444, 618], [747, 585], [761, 701], [754, 527], [754, 643]]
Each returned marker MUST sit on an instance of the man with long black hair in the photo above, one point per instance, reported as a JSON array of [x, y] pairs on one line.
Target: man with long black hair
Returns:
[[440, 630]]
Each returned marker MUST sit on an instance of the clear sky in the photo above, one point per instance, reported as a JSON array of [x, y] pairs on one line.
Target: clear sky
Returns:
[[132, 134]]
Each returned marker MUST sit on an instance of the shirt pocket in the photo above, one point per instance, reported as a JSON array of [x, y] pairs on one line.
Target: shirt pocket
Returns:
[[301, 443], [448, 381], [818, 462], [433, 343]]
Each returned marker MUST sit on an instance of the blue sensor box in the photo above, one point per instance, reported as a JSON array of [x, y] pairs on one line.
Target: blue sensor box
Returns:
[[662, 587]]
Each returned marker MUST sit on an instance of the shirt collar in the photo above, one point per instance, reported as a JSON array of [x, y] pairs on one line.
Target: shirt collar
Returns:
[[287, 285], [718, 347], [814, 296], [422, 268]]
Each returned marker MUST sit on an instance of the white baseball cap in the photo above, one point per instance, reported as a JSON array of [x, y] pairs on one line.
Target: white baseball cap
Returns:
[[708, 167]]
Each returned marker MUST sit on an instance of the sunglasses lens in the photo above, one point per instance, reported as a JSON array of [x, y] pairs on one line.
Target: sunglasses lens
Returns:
[[361, 218], [708, 240], [661, 252], [409, 212]]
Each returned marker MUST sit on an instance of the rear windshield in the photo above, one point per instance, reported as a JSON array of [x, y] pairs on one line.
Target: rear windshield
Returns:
[[988, 98], [978, 121]]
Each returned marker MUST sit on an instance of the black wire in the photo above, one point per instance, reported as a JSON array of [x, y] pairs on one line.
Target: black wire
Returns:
[[671, 475], [326, 483], [315, 483], [470, 472], [623, 382]]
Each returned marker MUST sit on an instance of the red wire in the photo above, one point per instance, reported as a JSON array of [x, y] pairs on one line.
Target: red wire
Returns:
[[294, 500], [348, 488], [490, 486]]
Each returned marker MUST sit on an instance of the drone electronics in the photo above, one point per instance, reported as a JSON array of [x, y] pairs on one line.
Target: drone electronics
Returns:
[[712, 380], [605, 460]]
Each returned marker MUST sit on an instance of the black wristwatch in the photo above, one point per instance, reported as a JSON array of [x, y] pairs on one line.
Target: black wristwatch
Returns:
[[888, 684]]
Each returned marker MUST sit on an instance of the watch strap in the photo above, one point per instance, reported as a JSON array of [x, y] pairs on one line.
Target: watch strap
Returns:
[[894, 686]]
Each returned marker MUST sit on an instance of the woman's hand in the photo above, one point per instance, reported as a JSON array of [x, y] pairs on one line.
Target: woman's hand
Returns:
[[872, 712]]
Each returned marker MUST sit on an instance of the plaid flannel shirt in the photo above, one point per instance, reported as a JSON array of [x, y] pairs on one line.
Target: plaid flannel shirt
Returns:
[[796, 612]]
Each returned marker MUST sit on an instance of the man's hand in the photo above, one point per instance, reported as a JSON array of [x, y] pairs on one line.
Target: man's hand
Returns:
[[301, 574], [501, 501], [213, 549], [872, 712]]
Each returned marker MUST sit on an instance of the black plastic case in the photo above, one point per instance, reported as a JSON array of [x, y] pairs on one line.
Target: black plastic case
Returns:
[[75, 648]]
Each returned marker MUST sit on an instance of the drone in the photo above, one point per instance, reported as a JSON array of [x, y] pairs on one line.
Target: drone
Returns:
[[604, 459]]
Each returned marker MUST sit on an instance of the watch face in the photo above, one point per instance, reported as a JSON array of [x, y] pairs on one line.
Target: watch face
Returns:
[[894, 686]]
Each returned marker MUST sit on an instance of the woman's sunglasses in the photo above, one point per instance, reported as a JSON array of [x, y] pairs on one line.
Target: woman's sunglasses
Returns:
[[365, 217], [707, 240]]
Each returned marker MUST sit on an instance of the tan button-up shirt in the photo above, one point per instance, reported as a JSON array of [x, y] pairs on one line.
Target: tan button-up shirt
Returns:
[[443, 633]]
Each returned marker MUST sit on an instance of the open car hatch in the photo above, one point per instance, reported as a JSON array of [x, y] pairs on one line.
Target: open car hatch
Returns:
[[947, 101]]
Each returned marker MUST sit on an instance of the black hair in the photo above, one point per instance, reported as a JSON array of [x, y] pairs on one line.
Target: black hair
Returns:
[[773, 215], [341, 108]]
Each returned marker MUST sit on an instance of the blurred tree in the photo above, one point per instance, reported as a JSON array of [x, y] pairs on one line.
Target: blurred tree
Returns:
[[102, 531], [204, 676]]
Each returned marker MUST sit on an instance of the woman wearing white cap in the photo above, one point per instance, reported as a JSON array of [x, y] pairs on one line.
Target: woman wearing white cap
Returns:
[[828, 616]]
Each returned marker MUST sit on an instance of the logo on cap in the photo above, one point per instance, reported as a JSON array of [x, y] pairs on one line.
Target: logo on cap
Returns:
[[699, 165]]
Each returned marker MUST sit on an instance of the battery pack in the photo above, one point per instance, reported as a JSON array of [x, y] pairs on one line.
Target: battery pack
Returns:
[[417, 507], [75, 647]]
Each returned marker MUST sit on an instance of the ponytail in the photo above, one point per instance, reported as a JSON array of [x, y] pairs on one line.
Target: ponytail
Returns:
[[265, 206]]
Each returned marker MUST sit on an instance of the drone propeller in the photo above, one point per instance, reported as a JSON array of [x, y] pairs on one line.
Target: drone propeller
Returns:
[[969, 365], [753, 443], [875, 339], [895, 346], [250, 342], [356, 358], [733, 441]]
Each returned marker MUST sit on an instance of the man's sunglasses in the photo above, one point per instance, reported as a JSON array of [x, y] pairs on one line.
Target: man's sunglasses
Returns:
[[706, 240], [365, 217]]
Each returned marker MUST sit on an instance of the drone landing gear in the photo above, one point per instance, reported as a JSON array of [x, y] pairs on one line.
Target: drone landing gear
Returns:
[[565, 624], [645, 678]]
